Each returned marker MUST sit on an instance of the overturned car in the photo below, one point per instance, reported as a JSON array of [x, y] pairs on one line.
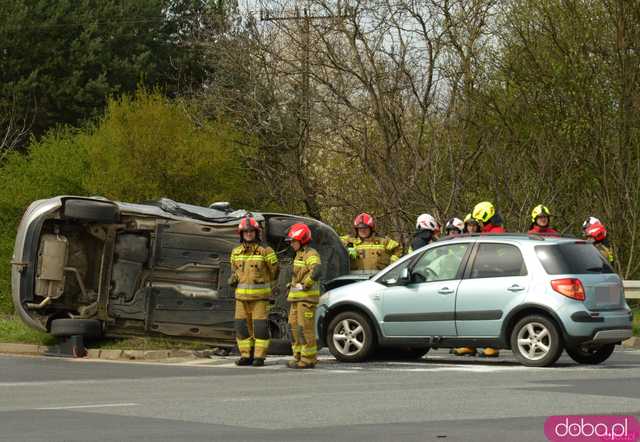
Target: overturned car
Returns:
[[94, 267]]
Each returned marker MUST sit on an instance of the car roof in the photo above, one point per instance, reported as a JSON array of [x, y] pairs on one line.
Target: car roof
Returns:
[[520, 237]]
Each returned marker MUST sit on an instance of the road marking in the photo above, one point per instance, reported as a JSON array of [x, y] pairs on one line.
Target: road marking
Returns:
[[73, 407]]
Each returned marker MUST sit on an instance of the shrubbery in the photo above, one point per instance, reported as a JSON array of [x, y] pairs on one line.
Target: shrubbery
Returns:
[[143, 148]]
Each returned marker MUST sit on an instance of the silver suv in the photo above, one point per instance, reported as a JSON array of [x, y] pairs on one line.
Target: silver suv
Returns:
[[535, 295]]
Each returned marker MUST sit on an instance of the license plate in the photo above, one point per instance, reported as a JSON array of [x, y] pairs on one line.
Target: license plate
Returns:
[[608, 295]]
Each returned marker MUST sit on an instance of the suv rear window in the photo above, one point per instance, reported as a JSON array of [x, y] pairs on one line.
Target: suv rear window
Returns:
[[578, 258]]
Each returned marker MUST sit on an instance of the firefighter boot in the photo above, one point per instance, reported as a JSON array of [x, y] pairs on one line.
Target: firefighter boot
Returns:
[[303, 365], [293, 362], [464, 351], [244, 362], [490, 353], [258, 362]]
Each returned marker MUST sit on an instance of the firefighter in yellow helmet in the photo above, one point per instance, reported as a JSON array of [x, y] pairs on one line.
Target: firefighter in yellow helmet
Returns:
[[490, 221], [304, 293], [254, 274], [366, 250]]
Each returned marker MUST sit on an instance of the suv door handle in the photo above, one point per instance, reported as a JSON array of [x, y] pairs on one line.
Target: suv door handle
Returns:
[[516, 288], [445, 291]]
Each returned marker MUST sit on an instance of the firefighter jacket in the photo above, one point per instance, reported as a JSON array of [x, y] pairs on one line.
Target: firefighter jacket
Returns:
[[604, 248], [420, 239], [254, 271], [305, 284], [544, 231], [373, 253], [492, 228], [494, 225]]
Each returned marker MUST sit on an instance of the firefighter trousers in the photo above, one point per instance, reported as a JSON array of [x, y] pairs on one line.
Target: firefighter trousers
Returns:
[[303, 331], [252, 329]]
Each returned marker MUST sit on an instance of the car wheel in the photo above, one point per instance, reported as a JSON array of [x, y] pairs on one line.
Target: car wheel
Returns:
[[536, 342], [403, 353], [350, 337], [591, 356], [96, 211], [89, 328]]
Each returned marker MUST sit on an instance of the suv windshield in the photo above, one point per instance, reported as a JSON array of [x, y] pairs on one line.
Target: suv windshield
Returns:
[[576, 258]]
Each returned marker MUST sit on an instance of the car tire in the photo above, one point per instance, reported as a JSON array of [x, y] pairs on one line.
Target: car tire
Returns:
[[591, 356], [96, 211], [88, 328], [402, 353], [355, 344], [536, 341]]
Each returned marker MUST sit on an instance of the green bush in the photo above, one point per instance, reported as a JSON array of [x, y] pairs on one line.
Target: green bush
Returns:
[[54, 165], [144, 148], [148, 147]]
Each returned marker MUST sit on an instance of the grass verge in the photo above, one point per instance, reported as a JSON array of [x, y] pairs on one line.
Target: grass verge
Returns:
[[13, 330]]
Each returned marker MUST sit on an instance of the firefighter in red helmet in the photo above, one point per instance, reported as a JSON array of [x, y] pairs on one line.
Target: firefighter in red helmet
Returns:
[[594, 230], [254, 274], [368, 251], [304, 293]]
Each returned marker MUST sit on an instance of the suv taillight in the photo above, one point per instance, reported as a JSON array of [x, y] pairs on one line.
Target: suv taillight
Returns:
[[569, 287]]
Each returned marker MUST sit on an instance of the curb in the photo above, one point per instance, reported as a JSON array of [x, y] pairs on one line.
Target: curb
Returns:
[[23, 349], [97, 353], [633, 342]]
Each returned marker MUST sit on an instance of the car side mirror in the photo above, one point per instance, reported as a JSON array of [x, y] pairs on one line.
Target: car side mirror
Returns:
[[405, 276]]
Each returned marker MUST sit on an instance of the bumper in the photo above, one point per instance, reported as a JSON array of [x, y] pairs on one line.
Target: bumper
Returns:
[[321, 325], [600, 336], [25, 256], [611, 336]]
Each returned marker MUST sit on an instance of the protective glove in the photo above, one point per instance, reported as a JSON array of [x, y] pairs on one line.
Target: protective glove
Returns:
[[353, 252], [298, 286], [233, 280]]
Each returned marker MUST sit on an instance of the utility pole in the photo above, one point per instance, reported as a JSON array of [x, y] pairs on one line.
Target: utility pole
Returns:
[[305, 93]]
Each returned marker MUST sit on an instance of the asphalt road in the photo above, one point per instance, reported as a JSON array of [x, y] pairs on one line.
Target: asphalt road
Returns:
[[438, 398]]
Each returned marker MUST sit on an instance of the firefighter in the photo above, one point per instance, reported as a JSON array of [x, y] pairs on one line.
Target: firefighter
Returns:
[[541, 222], [366, 250], [489, 220], [304, 292], [427, 230], [455, 226], [594, 230], [254, 275], [471, 225]]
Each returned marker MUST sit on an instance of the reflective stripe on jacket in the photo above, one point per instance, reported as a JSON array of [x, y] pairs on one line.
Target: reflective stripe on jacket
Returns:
[[606, 252], [373, 253], [306, 271], [255, 269]]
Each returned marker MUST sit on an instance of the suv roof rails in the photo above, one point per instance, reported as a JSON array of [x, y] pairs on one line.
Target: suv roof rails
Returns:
[[535, 236]]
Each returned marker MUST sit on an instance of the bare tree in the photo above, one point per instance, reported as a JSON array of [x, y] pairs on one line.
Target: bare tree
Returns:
[[14, 131]]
